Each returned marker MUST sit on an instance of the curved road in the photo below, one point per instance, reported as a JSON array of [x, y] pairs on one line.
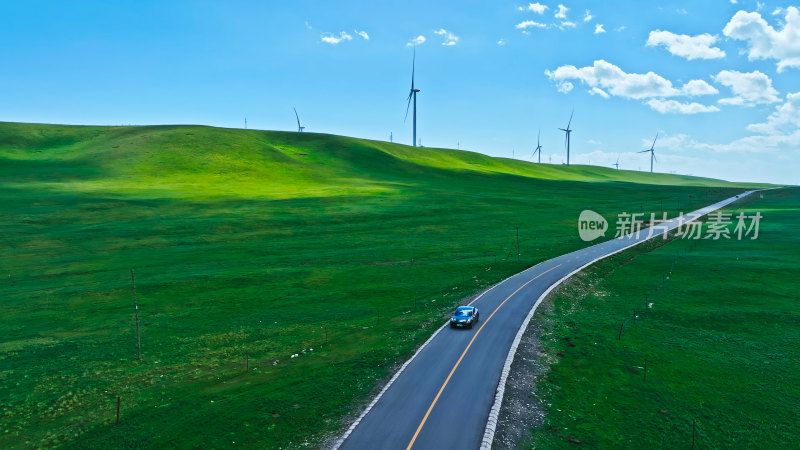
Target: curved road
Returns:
[[442, 397]]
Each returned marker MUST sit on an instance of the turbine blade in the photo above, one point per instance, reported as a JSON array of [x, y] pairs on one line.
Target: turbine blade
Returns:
[[654, 142], [411, 92], [296, 116], [570, 118], [644, 151], [413, 68]]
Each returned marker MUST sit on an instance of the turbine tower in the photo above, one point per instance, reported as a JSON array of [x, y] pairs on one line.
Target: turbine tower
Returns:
[[567, 131], [538, 147], [413, 93], [300, 126], [616, 164], [652, 151]]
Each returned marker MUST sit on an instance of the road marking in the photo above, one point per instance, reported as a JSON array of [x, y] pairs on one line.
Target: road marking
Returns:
[[447, 380]]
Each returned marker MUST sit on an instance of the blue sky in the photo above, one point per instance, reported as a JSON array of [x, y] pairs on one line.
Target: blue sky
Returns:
[[718, 80]]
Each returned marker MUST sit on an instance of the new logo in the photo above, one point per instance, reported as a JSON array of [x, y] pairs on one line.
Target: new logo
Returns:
[[591, 225]]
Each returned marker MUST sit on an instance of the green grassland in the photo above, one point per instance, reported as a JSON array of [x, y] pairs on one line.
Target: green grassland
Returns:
[[258, 245], [718, 322]]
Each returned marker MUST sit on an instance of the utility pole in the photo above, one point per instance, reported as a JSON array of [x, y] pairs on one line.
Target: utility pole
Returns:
[[136, 312]]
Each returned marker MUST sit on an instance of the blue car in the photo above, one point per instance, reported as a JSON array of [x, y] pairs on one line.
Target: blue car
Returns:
[[464, 317]]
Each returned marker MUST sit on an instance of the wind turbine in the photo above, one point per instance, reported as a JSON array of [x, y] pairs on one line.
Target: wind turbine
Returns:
[[300, 126], [652, 151], [538, 147], [567, 131], [616, 164], [413, 93]]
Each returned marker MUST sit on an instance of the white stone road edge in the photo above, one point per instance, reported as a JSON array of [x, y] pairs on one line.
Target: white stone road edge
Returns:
[[494, 413], [338, 443]]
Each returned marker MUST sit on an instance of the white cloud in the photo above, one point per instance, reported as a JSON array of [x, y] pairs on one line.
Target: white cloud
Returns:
[[606, 80], [308, 26], [763, 41], [780, 133], [587, 16], [748, 144], [696, 88], [501, 42], [734, 1], [363, 34], [777, 11], [564, 87], [682, 11], [758, 144], [598, 28], [785, 118], [670, 142], [538, 8], [419, 40], [598, 91], [529, 23], [567, 24], [620, 28], [331, 38], [615, 81], [689, 47], [449, 38], [562, 12], [673, 106], [749, 89]]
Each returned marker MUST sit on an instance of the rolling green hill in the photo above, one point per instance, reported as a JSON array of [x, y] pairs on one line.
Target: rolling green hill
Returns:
[[205, 162], [250, 247]]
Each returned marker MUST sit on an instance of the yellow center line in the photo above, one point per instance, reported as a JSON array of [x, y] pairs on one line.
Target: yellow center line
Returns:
[[447, 380]]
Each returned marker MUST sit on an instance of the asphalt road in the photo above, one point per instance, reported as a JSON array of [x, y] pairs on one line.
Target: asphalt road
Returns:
[[442, 398]]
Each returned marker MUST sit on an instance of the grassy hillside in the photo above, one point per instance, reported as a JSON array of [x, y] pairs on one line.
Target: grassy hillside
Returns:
[[204, 162], [718, 323], [249, 247]]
